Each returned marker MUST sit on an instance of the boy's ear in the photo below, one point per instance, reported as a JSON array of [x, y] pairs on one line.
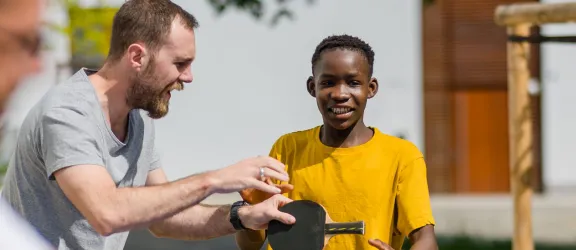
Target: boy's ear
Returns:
[[373, 87], [311, 86]]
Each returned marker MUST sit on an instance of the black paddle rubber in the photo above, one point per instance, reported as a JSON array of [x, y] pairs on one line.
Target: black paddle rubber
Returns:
[[306, 234]]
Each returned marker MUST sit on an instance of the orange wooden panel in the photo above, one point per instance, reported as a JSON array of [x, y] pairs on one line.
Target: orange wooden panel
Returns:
[[437, 102], [481, 141]]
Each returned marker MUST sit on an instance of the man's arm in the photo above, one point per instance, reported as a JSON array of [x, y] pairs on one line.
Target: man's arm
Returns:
[[110, 209], [72, 154], [194, 223], [199, 222], [202, 221]]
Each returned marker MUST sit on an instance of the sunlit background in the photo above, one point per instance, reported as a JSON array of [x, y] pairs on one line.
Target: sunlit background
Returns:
[[442, 71]]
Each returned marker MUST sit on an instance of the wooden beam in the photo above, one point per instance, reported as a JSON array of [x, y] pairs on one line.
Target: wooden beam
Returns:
[[520, 133], [535, 13]]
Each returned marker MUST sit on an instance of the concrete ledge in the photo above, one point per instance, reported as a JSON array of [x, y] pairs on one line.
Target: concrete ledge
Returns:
[[490, 216], [553, 217]]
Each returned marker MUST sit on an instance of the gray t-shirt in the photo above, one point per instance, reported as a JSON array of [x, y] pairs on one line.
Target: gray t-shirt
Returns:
[[66, 128]]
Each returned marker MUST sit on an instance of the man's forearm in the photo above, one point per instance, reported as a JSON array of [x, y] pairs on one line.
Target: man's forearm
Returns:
[[199, 222], [130, 208]]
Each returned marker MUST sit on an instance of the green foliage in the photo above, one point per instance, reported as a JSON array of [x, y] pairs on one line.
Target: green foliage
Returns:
[[3, 169], [467, 243], [90, 35], [88, 29], [427, 2]]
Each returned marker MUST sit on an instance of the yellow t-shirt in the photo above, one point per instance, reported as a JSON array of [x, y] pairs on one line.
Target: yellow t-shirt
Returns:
[[382, 182]]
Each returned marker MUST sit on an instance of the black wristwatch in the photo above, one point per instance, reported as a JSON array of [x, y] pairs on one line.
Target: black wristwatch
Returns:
[[234, 218]]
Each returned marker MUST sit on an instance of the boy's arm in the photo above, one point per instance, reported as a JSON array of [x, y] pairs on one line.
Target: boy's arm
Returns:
[[251, 239], [423, 238], [414, 210]]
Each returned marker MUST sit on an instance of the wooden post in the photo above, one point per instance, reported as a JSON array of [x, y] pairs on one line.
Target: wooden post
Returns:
[[535, 13], [518, 18], [520, 134]]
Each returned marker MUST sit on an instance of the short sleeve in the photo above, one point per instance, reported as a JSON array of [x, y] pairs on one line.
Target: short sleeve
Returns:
[[155, 161], [277, 152], [155, 156], [69, 138], [413, 199]]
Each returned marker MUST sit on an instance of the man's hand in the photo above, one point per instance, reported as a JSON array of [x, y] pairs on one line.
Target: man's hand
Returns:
[[246, 174], [253, 196], [258, 216], [379, 244]]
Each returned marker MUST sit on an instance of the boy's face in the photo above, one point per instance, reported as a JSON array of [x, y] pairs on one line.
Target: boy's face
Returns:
[[342, 85]]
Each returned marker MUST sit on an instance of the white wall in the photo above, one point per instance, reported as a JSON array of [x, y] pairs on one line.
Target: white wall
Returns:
[[249, 85], [559, 107]]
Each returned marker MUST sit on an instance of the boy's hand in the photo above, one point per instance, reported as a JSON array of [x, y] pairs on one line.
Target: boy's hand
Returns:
[[253, 196], [379, 244]]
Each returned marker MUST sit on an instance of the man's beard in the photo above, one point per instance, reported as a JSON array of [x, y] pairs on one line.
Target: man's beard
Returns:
[[143, 94]]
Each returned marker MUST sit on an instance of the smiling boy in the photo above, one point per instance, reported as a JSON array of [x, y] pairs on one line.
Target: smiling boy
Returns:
[[355, 171]]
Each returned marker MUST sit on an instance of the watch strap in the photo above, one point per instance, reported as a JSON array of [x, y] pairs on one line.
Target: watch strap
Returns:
[[234, 218]]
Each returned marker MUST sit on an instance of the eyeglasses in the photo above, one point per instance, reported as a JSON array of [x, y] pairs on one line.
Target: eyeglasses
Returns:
[[32, 44]]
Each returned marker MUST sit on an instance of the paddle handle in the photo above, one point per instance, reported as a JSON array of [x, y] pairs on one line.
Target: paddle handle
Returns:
[[356, 227]]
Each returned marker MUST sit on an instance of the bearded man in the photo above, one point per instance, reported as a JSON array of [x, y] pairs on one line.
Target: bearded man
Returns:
[[85, 171]]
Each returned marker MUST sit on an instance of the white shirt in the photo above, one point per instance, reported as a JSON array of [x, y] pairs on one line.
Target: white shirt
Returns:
[[17, 233]]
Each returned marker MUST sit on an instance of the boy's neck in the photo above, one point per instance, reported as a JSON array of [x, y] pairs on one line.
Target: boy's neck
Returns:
[[353, 136]]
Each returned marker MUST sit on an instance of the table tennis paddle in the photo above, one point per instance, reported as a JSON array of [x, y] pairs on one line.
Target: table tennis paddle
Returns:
[[312, 230]]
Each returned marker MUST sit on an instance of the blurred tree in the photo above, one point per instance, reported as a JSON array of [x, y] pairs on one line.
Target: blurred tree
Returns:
[[256, 8], [427, 2], [89, 28], [3, 169]]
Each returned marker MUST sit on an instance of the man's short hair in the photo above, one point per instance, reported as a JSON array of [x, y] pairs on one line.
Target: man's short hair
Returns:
[[146, 21]]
